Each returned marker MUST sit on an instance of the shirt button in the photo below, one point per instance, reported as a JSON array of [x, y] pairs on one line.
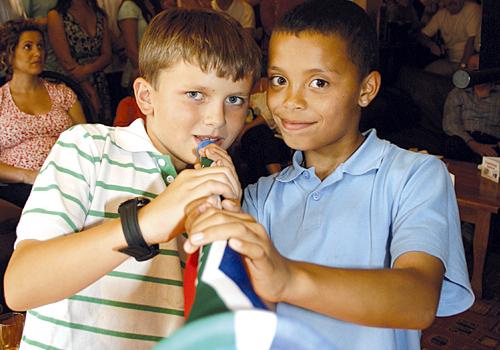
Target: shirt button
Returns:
[[307, 175], [316, 196], [170, 178], [161, 162]]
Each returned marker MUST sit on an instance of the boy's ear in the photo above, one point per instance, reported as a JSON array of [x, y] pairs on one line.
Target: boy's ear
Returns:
[[144, 96], [369, 88]]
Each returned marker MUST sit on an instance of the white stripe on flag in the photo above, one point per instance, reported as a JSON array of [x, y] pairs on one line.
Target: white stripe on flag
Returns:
[[263, 329], [228, 291]]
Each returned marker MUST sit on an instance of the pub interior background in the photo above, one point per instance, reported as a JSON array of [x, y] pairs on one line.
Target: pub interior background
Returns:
[[407, 112]]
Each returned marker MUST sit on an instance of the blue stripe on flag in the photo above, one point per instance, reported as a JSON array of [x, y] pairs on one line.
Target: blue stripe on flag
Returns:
[[232, 265]]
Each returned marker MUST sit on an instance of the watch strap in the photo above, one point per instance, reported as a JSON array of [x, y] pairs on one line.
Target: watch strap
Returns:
[[137, 246]]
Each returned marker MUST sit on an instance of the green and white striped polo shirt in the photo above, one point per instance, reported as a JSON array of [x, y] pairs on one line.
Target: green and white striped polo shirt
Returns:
[[89, 172]]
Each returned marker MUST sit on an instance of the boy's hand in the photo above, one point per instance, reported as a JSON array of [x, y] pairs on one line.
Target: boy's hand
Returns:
[[163, 218], [221, 158], [269, 272]]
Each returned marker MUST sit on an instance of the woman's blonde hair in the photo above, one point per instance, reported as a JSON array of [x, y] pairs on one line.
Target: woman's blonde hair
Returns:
[[10, 32], [211, 40]]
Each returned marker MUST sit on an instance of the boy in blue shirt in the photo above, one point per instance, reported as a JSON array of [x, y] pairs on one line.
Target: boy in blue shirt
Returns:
[[357, 238]]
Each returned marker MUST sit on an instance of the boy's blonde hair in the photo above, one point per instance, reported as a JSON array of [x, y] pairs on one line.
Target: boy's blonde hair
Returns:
[[211, 40]]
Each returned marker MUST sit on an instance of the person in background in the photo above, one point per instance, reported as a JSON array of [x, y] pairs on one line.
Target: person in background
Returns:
[[73, 264], [459, 25], [128, 111], [192, 4], [79, 34], [11, 9], [34, 112], [261, 147], [38, 10], [133, 18], [350, 239], [471, 119], [240, 10], [114, 71]]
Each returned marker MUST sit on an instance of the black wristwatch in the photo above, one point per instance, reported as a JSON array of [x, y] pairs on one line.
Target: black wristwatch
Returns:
[[137, 246]]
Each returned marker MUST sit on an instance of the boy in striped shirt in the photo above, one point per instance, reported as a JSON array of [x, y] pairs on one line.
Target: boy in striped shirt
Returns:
[[72, 267]]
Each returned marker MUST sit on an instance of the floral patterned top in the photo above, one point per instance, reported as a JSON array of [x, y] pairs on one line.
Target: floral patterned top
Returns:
[[25, 139]]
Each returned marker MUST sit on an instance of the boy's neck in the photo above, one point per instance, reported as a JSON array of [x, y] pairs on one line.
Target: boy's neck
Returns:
[[326, 160]]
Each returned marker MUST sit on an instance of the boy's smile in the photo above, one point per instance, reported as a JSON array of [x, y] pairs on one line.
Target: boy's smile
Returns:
[[315, 93], [189, 106]]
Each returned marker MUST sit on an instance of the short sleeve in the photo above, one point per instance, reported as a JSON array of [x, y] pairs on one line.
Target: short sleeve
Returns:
[[62, 192], [66, 96], [129, 10], [433, 26], [427, 220], [473, 25]]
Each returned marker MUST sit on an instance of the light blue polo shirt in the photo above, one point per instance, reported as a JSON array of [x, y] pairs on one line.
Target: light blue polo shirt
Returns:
[[382, 202]]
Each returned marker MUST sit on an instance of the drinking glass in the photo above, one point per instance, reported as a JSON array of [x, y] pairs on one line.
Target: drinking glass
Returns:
[[11, 330]]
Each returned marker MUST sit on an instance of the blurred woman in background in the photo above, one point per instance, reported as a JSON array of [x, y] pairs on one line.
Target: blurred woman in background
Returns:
[[133, 18], [79, 35], [33, 111]]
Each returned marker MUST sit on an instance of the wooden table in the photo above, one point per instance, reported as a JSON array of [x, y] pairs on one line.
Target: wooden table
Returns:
[[478, 199]]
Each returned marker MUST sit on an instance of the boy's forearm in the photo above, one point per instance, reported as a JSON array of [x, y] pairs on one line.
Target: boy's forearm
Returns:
[[403, 298], [43, 272]]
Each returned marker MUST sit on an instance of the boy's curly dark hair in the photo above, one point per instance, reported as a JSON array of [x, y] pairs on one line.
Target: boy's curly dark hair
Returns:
[[10, 32]]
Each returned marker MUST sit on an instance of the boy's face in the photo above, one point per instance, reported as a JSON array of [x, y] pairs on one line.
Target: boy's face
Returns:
[[314, 91], [189, 106]]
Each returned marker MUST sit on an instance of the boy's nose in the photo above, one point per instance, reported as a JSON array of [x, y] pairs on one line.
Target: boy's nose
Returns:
[[215, 116], [295, 98]]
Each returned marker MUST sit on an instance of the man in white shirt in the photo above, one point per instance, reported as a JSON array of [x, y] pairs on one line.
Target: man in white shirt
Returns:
[[459, 24]]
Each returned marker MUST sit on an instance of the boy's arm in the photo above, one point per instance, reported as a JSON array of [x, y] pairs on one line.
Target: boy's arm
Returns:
[[405, 296], [42, 272], [51, 262]]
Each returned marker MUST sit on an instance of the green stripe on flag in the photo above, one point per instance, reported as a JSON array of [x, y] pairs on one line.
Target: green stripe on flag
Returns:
[[95, 330]]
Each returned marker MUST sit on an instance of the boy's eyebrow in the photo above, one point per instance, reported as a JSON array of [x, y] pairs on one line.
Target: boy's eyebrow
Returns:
[[313, 70], [205, 88]]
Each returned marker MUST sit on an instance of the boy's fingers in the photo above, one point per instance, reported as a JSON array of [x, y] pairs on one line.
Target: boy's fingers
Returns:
[[229, 230], [212, 217], [194, 209], [231, 205], [224, 175]]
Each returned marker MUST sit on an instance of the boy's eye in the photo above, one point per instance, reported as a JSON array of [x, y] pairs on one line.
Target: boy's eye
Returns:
[[319, 83], [235, 100], [195, 95], [27, 46], [278, 81]]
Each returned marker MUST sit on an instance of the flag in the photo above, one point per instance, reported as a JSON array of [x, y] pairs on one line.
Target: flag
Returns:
[[217, 282]]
